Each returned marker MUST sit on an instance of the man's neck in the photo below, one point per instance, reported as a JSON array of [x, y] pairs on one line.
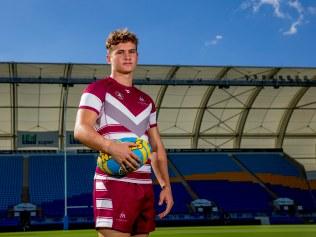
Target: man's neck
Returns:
[[124, 79]]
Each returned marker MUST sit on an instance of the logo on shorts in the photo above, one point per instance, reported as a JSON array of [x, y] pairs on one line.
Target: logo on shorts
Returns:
[[122, 215]]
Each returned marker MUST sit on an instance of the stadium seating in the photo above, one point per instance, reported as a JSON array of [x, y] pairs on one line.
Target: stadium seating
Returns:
[[80, 169], [48, 190], [228, 179], [203, 163], [46, 178], [11, 170], [225, 178], [279, 167], [234, 196], [301, 197], [272, 163]]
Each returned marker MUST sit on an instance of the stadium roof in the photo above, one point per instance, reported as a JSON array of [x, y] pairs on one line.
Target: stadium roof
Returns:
[[198, 106]]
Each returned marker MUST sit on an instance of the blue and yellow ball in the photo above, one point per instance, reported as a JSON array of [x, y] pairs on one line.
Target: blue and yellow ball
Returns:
[[109, 165]]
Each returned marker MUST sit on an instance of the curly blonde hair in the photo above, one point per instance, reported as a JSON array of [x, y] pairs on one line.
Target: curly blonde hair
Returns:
[[120, 36]]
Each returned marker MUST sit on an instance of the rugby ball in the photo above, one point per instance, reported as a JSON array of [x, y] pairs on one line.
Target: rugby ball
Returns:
[[109, 165]]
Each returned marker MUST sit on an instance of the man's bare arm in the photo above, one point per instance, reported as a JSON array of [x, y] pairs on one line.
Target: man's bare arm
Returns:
[[160, 167]]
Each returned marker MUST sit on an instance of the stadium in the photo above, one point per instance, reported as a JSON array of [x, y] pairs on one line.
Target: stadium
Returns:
[[240, 142]]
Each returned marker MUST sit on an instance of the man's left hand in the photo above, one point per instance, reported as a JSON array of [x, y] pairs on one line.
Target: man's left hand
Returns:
[[165, 197]]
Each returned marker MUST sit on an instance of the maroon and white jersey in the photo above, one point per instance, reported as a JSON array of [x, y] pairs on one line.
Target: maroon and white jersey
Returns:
[[122, 112]]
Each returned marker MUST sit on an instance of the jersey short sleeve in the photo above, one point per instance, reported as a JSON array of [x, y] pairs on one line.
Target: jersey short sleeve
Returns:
[[93, 96]]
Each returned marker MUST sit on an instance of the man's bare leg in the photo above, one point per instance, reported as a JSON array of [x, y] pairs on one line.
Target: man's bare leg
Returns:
[[102, 232]]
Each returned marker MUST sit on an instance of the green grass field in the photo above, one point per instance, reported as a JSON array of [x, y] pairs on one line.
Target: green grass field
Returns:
[[214, 231]]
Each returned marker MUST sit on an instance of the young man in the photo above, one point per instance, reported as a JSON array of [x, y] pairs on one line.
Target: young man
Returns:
[[111, 109]]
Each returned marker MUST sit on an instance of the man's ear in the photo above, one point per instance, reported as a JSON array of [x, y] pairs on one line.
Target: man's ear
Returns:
[[108, 58]]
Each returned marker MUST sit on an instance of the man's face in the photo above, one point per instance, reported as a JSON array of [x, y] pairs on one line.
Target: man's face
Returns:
[[123, 57]]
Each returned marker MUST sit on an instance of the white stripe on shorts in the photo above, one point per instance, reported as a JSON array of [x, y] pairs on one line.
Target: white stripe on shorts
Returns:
[[99, 185], [124, 179], [104, 222], [104, 203]]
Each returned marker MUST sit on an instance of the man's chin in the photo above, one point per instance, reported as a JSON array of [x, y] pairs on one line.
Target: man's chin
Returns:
[[126, 71]]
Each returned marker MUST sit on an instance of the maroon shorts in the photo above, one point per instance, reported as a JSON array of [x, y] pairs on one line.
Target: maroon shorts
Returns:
[[123, 206]]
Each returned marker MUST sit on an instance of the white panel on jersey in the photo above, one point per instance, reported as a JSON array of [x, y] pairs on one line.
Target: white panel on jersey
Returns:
[[90, 100], [136, 119]]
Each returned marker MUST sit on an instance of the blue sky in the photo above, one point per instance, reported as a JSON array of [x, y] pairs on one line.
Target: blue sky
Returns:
[[171, 32]]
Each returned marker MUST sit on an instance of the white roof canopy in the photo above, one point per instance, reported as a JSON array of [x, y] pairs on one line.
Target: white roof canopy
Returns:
[[198, 106]]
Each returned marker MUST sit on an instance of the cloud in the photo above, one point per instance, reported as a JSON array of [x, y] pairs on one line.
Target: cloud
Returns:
[[287, 10], [299, 8], [214, 41], [312, 10], [274, 3], [293, 28]]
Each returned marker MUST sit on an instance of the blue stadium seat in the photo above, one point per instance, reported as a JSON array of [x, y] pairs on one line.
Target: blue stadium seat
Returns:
[[47, 182], [203, 163], [272, 163], [214, 176], [233, 196], [11, 170], [46, 178]]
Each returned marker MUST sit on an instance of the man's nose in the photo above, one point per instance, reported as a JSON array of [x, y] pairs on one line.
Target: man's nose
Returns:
[[127, 55]]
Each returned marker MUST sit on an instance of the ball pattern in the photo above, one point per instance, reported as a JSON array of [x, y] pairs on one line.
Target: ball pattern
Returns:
[[109, 165]]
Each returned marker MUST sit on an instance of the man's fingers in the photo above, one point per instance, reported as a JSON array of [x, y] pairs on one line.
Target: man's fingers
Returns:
[[134, 162], [124, 168], [135, 158], [168, 208], [131, 162], [169, 204], [131, 153], [130, 144], [162, 215], [161, 200]]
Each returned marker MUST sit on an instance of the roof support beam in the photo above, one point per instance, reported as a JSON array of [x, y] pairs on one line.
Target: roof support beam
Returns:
[[227, 136], [176, 82], [14, 102], [200, 114], [190, 136], [250, 102], [62, 117], [284, 122], [63, 107], [203, 105], [164, 88], [244, 116]]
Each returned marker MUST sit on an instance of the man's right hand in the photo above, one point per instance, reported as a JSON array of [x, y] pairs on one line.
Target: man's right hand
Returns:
[[123, 155]]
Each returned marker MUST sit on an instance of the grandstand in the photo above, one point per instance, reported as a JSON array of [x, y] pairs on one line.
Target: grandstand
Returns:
[[241, 139]]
